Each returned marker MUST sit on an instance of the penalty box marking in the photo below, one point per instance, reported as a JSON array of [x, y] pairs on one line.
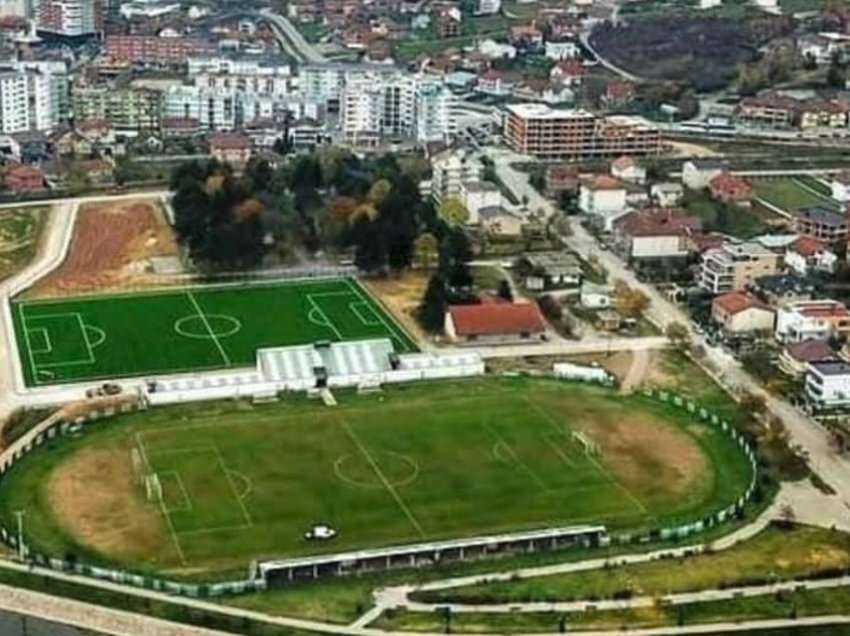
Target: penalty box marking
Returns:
[[65, 363]]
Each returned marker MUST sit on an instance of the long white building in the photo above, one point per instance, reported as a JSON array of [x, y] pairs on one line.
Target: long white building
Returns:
[[33, 96]]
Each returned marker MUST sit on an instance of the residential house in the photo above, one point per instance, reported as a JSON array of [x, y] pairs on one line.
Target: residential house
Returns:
[[795, 358], [629, 170], [781, 289], [449, 171], [603, 198], [550, 270], [232, 148], [526, 36], [494, 83], [729, 188], [24, 178], [767, 110], [734, 266], [822, 223], [808, 319], [561, 178], [827, 385], [698, 173], [488, 7], [822, 47], [839, 184], [738, 314], [807, 254], [823, 113], [500, 222], [618, 93], [495, 323], [568, 72], [666, 194], [478, 195], [562, 50], [493, 50], [450, 23], [593, 296], [655, 234]]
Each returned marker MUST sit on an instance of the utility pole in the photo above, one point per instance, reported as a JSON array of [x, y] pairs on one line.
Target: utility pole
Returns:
[[19, 514]]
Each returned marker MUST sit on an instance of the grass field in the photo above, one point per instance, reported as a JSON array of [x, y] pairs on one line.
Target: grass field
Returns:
[[100, 337], [20, 230], [244, 482], [792, 193]]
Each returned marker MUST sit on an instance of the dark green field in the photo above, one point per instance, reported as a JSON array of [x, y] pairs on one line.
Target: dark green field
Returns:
[[416, 462], [189, 329]]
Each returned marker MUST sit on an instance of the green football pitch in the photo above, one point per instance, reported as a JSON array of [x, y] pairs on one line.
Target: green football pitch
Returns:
[[189, 329], [416, 462]]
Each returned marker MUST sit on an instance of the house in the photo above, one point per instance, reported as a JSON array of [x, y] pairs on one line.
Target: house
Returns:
[[602, 198], [822, 223], [733, 266], [10, 149], [232, 148], [781, 289], [450, 23], [655, 234], [729, 188], [493, 50], [593, 296], [496, 323], [550, 270], [488, 7], [499, 222], [562, 50], [822, 113], [608, 320], [526, 36], [478, 195], [807, 254], [567, 72], [795, 358], [827, 385], [738, 313], [698, 173], [666, 194], [840, 186], [24, 178], [561, 178], [627, 169], [618, 93], [767, 110], [811, 319], [494, 83]]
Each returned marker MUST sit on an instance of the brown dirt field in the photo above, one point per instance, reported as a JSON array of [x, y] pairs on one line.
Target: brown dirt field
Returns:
[[110, 248], [648, 457], [402, 296], [97, 501]]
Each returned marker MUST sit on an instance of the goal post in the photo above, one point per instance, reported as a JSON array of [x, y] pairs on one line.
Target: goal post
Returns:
[[153, 488], [590, 447], [138, 466]]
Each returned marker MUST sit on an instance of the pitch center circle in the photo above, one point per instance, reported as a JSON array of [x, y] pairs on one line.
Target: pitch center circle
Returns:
[[355, 470], [207, 326]]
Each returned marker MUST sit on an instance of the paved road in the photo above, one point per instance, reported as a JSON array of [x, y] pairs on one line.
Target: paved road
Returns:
[[292, 39]]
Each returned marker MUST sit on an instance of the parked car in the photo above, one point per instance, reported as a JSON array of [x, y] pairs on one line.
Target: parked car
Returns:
[[320, 532]]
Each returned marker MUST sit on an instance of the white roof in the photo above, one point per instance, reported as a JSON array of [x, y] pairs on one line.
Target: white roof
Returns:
[[541, 111]]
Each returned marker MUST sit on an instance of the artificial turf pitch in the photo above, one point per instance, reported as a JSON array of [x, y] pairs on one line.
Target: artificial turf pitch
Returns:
[[414, 463], [189, 329]]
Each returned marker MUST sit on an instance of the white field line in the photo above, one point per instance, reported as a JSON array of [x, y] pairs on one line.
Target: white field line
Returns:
[[203, 316]]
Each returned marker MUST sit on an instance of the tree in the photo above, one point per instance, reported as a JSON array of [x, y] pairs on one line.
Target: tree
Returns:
[[677, 333], [453, 211], [630, 303], [787, 516], [752, 403], [504, 291], [432, 311], [425, 250]]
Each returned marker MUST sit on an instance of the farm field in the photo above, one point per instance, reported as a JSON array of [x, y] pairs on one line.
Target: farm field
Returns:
[[189, 329], [792, 193], [242, 482], [20, 230], [112, 248]]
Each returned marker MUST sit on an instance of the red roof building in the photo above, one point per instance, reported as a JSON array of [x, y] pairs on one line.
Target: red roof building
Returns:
[[730, 188], [507, 322], [24, 179], [739, 313]]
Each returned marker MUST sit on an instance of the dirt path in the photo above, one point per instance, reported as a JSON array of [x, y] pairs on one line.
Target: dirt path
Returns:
[[638, 371]]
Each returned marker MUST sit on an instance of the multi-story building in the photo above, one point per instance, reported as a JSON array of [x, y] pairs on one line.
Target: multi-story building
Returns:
[[556, 135], [828, 385], [258, 75], [768, 110], [127, 109], [822, 223], [69, 18], [151, 50], [449, 171], [735, 265], [218, 109], [33, 96]]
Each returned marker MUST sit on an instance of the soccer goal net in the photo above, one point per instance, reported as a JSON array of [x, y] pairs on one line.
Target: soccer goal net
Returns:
[[590, 447], [153, 488]]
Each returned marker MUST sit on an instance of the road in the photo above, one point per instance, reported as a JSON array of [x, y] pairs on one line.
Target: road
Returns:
[[292, 40]]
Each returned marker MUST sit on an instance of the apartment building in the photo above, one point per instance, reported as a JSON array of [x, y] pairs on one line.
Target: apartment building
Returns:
[[127, 109], [257, 75], [151, 50], [569, 135], [69, 18], [828, 384], [450, 171], [735, 265], [822, 223], [218, 109], [33, 96]]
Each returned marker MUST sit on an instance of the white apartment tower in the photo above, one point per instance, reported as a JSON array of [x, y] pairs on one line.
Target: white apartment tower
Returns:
[[33, 96]]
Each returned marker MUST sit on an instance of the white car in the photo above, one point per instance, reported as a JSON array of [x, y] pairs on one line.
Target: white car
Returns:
[[320, 532]]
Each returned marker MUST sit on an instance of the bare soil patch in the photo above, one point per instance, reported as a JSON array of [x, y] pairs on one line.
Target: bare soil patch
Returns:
[[111, 248], [402, 296], [97, 501]]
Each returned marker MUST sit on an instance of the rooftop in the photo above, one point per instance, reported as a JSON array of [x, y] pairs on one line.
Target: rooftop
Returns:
[[500, 319], [831, 368]]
